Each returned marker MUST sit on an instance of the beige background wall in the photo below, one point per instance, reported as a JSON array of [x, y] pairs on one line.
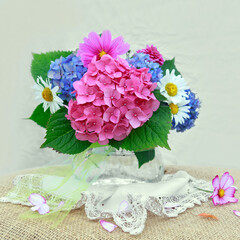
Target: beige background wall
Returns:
[[204, 36]]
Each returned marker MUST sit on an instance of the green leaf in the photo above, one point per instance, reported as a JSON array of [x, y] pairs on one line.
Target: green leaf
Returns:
[[152, 134], [40, 117], [61, 136], [170, 64], [41, 62], [145, 156]]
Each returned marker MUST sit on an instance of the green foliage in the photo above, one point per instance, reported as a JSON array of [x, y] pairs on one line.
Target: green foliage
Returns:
[[41, 62], [61, 136], [152, 134], [145, 156], [40, 117], [170, 64]]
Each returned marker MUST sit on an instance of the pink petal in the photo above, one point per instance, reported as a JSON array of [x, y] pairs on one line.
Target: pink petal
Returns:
[[36, 199], [35, 208], [237, 213], [229, 182], [230, 192], [106, 40], [44, 209], [215, 192], [217, 200], [135, 123], [224, 179], [107, 225], [215, 182], [230, 199], [123, 206], [96, 40]]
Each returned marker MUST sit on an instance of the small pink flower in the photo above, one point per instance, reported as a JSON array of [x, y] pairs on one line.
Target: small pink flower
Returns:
[[84, 93], [124, 104], [94, 124], [39, 203], [136, 117], [223, 190], [98, 46], [153, 53], [105, 82], [99, 99], [92, 111], [107, 132], [112, 114], [91, 137], [111, 95]]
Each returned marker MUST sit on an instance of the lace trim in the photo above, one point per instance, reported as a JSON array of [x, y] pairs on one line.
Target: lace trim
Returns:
[[133, 219]]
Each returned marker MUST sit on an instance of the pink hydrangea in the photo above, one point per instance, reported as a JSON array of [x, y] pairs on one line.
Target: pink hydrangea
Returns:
[[111, 100], [153, 53]]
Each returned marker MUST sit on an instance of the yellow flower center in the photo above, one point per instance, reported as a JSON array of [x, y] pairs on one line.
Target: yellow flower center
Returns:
[[221, 193], [47, 94], [171, 89], [174, 108], [102, 53]]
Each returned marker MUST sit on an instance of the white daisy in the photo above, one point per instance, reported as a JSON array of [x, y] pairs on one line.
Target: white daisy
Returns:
[[173, 87], [179, 111], [47, 95]]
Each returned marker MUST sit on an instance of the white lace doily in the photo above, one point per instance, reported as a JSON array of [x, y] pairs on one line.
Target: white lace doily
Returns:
[[168, 198]]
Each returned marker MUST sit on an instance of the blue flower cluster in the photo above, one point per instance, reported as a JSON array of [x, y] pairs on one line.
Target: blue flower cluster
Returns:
[[64, 72], [193, 113], [141, 60]]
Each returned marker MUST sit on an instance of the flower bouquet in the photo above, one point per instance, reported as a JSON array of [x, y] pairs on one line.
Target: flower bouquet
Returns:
[[92, 97]]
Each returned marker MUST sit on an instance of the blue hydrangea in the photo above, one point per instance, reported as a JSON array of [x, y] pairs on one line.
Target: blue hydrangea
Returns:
[[64, 72], [193, 114], [141, 60]]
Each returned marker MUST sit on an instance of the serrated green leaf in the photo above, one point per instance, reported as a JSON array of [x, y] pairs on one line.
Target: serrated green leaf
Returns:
[[170, 64], [41, 62], [61, 136], [39, 116], [159, 96], [145, 156], [152, 134]]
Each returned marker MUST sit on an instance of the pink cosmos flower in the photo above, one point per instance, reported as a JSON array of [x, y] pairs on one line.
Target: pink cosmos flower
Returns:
[[98, 46], [153, 53], [223, 190]]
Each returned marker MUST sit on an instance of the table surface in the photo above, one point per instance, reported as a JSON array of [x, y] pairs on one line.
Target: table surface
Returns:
[[187, 226]]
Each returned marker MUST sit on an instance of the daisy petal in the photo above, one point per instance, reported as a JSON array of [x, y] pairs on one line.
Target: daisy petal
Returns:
[[107, 225], [36, 199]]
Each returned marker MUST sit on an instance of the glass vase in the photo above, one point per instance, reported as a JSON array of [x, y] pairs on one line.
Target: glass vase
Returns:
[[112, 166]]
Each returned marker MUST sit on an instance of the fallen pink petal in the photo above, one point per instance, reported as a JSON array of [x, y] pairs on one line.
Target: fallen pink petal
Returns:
[[237, 213], [123, 206], [107, 225], [39, 203]]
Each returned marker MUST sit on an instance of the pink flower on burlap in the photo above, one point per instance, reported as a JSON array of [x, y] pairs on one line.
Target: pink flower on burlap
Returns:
[[223, 190], [39, 203]]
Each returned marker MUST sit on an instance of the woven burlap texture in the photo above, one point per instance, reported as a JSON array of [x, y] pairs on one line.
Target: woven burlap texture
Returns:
[[77, 226]]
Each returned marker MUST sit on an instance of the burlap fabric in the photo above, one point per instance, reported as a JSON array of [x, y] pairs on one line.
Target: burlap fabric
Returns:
[[77, 226]]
